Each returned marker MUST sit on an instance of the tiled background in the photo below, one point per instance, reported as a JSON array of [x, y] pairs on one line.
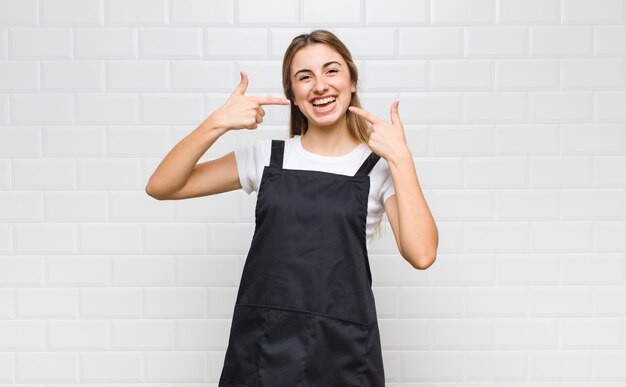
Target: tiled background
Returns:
[[515, 111]]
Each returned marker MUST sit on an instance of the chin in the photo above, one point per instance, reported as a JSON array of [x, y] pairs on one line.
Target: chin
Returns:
[[327, 120]]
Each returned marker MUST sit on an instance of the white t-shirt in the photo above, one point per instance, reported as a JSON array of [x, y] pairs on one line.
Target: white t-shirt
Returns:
[[252, 158]]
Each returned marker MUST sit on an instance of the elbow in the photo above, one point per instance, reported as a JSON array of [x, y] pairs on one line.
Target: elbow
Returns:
[[424, 255], [424, 263], [421, 261], [153, 192], [150, 192]]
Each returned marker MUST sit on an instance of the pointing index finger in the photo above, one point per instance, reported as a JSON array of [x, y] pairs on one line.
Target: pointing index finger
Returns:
[[360, 112], [271, 100]]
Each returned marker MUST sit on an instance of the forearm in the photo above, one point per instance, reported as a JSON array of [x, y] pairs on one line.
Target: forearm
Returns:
[[418, 232], [174, 170]]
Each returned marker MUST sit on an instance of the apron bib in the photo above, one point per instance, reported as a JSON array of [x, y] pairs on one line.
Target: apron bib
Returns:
[[305, 313]]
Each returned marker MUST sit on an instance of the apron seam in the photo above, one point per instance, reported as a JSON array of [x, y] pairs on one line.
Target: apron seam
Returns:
[[342, 319], [368, 348], [261, 339], [307, 355]]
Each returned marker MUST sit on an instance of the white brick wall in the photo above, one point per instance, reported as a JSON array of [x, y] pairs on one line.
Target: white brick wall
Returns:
[[515, 111]]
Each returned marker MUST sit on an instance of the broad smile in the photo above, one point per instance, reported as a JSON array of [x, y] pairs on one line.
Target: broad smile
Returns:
[[324, 104]]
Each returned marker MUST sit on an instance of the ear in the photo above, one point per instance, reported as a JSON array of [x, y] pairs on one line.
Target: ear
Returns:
[[353, 88]]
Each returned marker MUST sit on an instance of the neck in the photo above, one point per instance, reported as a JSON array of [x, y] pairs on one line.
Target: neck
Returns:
[[330, 140]]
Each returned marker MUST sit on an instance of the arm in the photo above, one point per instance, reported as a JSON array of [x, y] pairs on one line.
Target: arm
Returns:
[[179, 177], [412, 223], [409, 216]]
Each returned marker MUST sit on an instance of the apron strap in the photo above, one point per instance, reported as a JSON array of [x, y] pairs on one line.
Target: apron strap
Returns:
[[368, 164], [278, 148]]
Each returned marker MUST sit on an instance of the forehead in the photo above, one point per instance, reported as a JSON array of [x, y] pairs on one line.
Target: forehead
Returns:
[[314, 56]]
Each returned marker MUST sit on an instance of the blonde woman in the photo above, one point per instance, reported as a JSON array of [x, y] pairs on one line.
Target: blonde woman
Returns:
[[305, 312]]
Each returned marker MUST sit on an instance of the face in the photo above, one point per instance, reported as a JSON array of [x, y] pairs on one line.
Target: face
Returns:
[[317, 72]]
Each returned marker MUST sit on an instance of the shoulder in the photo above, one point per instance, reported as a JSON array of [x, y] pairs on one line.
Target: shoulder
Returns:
[[381, 168], [253, 151]]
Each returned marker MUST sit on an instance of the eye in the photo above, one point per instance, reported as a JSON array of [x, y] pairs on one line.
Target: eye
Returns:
[[307, 76]]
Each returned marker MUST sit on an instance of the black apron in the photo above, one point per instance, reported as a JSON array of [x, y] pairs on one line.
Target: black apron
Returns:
[[305, 312]]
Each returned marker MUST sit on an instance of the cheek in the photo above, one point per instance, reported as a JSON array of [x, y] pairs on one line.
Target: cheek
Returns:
[[346, 86], [298, 94]]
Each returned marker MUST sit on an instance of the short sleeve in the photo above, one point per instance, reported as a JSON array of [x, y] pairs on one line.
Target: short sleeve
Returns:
[[387, 189], [251, 159]]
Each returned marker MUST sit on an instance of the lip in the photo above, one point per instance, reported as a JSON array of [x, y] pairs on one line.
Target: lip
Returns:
[[331, 108], [322, 97]]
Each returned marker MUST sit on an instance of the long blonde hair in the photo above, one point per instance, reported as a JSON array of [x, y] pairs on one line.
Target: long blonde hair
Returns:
[[298, 122]]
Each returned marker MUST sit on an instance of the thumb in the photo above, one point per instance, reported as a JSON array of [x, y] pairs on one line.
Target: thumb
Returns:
[[243, 84], [395, 116]]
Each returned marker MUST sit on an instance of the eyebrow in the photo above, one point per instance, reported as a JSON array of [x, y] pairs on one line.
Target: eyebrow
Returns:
[[325, 65]]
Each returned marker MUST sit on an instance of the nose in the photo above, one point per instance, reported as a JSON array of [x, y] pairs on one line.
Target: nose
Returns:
[[320, 84]]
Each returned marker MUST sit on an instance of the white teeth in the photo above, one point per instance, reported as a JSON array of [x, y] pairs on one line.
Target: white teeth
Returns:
[[323, 101]]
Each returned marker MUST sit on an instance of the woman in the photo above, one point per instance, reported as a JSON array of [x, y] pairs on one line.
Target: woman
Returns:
[[305, 312]]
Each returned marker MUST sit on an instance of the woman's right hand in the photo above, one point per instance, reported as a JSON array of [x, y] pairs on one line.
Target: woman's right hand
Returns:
[[242, 111]]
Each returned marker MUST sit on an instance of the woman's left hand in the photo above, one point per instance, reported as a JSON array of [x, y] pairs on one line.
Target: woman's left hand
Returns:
[[386, 140]]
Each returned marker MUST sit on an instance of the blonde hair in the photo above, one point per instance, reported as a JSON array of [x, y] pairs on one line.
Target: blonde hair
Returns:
[[298, 123]]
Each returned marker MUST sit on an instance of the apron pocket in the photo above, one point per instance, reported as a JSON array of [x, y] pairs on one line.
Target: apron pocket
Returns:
[[267, 347], [336, 357], [286, 337], [242, 354]]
